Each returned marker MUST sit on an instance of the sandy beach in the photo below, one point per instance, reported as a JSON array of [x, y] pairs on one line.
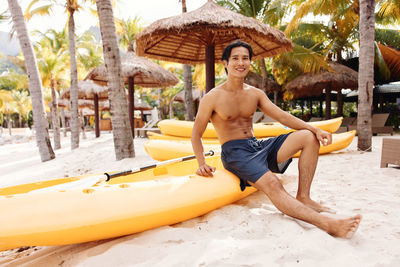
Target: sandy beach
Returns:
[[251, 232]]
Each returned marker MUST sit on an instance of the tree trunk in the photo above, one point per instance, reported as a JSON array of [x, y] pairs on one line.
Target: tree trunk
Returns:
[[339, 103], [62, 115], [9, 123], [328, 94], [123, 140], [55, 121], [75, 123], [35, 86], [264, 75], [366, 74], [171, 109], [187, 78], [82, 123]]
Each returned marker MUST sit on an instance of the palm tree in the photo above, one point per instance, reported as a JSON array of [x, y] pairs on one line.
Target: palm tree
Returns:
[[89, 53], [366, 74], [123, 141], [35, 86], [127, 30], [23, 104], [7, 106], [389, 12], [52, 63], [188, 83], [71, 6]]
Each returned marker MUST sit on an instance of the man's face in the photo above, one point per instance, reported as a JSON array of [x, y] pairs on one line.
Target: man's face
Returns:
[[239, 62]]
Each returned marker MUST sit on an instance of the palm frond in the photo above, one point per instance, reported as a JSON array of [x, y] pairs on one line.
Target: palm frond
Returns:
[[383, 70], [42, 11]]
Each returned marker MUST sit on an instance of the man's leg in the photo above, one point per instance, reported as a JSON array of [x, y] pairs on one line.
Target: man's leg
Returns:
[[271, 186], [305, 141]]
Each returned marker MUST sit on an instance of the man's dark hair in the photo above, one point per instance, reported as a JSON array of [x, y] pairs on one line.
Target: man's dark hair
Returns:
[[238, 43]]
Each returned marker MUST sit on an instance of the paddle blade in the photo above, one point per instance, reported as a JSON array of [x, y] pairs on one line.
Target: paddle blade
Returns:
[[160, 170]]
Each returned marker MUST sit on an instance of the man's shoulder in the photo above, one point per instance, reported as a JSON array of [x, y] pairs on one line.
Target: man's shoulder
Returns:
[[214, 92], [253, 89]]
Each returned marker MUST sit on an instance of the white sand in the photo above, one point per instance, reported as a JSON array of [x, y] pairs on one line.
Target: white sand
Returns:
[[251, 232]]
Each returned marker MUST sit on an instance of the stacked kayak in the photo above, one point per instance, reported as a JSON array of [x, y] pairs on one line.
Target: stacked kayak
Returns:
[[81, 209], [157, 136], [160, 149], [179, 128]]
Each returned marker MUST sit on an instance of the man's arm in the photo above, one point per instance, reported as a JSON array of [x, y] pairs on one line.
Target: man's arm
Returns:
[[289, 120], [200, 124]]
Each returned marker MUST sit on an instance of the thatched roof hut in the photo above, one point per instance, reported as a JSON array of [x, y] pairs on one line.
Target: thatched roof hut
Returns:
[[136, 71], [87, 90], [341, 77], [201, 35], [256, 80], [184, 38], [312, 84], [180, 97], [145, 72]]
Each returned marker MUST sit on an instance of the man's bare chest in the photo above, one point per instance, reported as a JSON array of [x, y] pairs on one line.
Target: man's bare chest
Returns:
[[230, 108]]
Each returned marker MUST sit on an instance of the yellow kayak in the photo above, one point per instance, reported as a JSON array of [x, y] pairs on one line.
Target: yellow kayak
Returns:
[[157, 136], [56, 213], [168, 149], [184, 128]]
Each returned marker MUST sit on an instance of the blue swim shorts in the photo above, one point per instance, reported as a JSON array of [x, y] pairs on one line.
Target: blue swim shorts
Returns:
[[249, 159]]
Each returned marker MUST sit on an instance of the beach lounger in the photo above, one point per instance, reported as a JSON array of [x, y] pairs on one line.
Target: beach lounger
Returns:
[[149, 126], [257, 116], [390, 152], [267, 119], [344, 127], [315, 119], [378, 124]]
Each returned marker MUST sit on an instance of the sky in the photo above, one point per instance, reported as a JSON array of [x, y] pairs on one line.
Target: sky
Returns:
[[148, 10]]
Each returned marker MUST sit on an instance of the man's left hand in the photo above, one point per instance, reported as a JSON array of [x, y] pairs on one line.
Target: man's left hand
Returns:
[[324, 137]]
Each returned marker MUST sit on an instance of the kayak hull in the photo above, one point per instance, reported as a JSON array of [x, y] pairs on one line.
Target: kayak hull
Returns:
[[167, 149], [127, 205], [184, 128]]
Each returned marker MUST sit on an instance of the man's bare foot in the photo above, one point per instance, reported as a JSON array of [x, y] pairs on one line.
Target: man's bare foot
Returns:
[[344, 228], [315, 205]]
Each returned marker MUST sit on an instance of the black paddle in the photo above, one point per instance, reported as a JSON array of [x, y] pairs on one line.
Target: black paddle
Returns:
[[162, 163]]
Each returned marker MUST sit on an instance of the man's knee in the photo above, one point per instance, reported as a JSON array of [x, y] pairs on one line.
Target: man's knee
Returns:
[[269, 183], [309, 138]]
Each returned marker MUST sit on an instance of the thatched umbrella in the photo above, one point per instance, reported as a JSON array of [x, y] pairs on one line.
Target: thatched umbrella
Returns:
[[201, 35], [180, 97], [313, 84], [88, 90], [136, 71]]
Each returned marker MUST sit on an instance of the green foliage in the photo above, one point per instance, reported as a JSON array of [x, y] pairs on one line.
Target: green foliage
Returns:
[[288, 66], [6, 65], [388, 37], [13, 80], [389, 12], [127, 30], [89, 51], [349, 108]]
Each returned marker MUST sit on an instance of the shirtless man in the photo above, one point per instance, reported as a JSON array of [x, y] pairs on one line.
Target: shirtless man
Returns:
[[230, 107]]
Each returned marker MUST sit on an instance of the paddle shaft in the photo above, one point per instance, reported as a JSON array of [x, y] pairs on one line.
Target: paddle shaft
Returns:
[[162, 163]]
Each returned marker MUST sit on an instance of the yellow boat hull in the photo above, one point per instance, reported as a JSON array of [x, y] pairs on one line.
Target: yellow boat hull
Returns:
[[125, 205], [167, 149], [184, 128]]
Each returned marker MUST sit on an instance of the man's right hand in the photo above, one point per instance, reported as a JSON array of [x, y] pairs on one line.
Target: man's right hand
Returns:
[[205, 170]]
